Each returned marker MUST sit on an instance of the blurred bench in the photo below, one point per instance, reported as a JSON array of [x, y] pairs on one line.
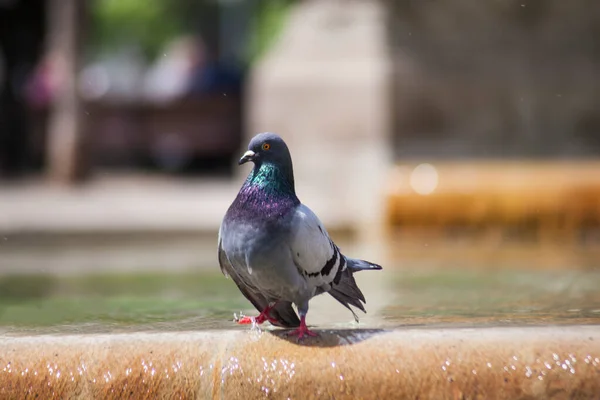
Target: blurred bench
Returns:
[[170, 135]]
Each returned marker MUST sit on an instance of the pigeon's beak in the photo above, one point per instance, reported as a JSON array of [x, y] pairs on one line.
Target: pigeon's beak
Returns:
[[248, 156]]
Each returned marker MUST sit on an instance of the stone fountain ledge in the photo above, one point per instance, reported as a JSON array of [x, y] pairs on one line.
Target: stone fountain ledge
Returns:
[[530, 362]]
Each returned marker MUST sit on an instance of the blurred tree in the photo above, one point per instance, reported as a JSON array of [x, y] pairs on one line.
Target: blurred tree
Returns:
[[147, 23], [268, 20], [67, 158], [150, 24]]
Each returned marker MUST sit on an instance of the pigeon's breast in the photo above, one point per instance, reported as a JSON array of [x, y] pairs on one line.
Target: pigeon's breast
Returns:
[[260, 253], [255, 242]]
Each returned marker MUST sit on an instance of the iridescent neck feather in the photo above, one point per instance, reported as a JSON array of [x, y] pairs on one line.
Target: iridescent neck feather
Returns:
[[267, 192]]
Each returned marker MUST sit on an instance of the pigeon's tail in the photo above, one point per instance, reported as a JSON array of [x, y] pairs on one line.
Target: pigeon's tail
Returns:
[[347, 292], [355, 265], [344, 287]]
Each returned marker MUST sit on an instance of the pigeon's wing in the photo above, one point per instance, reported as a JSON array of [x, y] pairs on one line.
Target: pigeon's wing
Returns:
[[315, 255], [318, 259], [282, 313]]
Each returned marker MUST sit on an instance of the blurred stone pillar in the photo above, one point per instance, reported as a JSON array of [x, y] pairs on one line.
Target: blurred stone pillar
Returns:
[[326, 87], [65, 125]]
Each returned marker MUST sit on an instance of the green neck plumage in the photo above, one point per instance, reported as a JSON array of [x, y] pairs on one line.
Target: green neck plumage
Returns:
[[272, 178]]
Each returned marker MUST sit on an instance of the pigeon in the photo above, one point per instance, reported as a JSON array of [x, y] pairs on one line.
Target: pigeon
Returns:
[[276, 249]]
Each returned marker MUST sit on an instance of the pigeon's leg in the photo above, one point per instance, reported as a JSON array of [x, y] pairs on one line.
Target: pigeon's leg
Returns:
[[262, 317], [302, 330]]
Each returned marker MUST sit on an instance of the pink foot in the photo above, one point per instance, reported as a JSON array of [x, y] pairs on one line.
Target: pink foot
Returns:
[[302, 330], [261, 318], [245, 320]]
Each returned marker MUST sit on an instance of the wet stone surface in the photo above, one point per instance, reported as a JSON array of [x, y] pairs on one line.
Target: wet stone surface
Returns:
[[446, 324], [559, 362]]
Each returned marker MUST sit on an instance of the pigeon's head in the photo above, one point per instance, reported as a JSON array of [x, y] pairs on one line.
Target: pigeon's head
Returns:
[[267, 148]]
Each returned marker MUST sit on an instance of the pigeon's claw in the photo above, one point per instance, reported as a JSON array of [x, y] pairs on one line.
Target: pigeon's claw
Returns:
[[262, 318], [302, 331]]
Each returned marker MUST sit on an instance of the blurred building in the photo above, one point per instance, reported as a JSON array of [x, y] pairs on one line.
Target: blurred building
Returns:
[[509, 79], [162, 83]]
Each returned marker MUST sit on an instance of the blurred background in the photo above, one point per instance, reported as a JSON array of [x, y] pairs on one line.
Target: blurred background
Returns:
[[433, 137]]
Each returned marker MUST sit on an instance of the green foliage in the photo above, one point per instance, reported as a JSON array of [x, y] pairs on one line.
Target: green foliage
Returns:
[[150, 24], [269, 20], [147, 23]]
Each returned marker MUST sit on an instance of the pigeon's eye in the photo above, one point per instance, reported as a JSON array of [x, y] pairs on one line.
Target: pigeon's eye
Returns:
[[266, 146]]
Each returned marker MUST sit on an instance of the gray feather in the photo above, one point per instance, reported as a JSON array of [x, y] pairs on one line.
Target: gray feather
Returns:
[[361, 265], [348, 293]]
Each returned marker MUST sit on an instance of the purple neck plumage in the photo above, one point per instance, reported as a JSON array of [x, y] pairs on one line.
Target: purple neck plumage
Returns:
[[267, 192]]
